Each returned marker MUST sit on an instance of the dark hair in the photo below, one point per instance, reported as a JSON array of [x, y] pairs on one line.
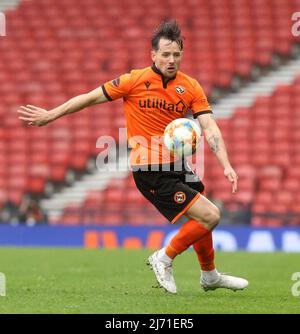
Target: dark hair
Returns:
[[168, 30]]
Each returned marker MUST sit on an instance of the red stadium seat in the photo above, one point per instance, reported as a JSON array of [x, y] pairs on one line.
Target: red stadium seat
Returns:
[[71, 215], [264, 197], [58, 173], [36, 185]]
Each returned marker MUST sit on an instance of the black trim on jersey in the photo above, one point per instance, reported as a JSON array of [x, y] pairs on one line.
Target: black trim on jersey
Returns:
[[163, 78], [202, 113], [106, 94]]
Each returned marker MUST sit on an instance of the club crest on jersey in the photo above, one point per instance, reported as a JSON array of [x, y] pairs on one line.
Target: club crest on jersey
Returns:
[[179, 197], [180, 90]]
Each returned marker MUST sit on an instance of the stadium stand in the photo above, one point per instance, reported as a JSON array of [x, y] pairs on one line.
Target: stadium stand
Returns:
[[56, 49]]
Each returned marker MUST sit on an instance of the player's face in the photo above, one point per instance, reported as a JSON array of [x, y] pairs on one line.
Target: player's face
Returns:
[[167, 58]]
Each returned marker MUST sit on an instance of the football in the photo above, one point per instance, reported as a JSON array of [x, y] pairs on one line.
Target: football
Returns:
[[182, 137]]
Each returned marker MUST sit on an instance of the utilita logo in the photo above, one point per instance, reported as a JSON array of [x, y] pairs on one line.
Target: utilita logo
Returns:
[[2, 25], [296, 25]]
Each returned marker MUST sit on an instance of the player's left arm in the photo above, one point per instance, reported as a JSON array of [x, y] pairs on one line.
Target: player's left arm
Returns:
[[215, 140]]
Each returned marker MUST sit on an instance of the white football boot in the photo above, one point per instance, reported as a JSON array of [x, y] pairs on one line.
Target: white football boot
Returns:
[[226, 282], [163, 273]]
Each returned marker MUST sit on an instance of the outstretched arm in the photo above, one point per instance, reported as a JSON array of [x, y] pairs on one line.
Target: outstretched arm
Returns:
[[215, 140], [39, 117]]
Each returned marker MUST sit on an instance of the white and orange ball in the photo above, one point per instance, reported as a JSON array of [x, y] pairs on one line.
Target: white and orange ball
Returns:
[[182, 137]]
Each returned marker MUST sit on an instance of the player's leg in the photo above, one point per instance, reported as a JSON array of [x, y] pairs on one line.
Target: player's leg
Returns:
[[157, 187], [204, 246], [210, 279], [203, 217], [204, 212], [190, 232], [173, 197]]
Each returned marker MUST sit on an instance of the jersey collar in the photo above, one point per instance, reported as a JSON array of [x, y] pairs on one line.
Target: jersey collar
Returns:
[[163, 78]]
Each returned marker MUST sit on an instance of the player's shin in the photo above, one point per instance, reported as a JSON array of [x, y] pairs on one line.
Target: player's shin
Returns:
[[206, 255], [189, 233], [205, 252]]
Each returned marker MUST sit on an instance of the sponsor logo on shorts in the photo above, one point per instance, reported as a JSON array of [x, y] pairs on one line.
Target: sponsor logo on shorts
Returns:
[[179, 197]]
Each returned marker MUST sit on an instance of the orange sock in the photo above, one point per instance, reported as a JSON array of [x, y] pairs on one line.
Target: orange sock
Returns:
[[189, 233], [205, 252]]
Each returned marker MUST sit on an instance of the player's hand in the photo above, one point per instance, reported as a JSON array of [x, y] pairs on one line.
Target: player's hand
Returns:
[[232, 177], [34, 116]]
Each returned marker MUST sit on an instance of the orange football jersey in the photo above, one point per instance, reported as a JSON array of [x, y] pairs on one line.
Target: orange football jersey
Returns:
[[151, 102]]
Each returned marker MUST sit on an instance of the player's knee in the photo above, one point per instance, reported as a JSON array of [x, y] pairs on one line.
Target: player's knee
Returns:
[[215, 218], [211, 219]]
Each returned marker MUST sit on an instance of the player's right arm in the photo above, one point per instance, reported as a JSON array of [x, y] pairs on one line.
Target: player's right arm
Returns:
[[202, 111], [39, 117]]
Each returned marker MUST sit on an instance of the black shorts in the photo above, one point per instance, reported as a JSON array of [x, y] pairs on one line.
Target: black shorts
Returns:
[[171, 192]]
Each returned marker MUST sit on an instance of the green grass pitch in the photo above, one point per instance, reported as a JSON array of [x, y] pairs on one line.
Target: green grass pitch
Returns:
[[118, 281]]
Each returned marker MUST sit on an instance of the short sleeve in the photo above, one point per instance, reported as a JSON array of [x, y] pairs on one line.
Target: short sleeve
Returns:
[[117, 88], [199, 103]]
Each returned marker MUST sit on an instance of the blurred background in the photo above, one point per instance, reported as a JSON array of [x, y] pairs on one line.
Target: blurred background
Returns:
[[245, 54]]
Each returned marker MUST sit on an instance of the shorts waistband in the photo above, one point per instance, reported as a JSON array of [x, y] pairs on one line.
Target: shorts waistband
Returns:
[[177, 166]]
